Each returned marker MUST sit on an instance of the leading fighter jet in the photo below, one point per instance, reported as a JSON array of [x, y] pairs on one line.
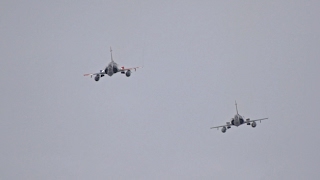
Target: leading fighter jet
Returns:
[[111, 69], [237, 121]]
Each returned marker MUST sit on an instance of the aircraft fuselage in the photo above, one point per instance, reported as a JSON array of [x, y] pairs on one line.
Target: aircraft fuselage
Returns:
[[237, 120], [112, 68]]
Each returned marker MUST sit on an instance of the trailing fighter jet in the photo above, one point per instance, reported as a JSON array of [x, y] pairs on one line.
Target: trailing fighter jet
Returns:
[[237, 121], [111, 69]]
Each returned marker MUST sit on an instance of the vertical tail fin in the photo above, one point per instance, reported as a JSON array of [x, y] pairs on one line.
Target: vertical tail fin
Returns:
[[111, 53], [236, 107]]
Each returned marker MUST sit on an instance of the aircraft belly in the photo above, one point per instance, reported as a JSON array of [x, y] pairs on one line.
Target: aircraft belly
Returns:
[[110, 71], [236, 123]]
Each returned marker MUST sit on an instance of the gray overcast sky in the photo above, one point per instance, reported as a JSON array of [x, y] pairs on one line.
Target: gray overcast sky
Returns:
[[198, 56]]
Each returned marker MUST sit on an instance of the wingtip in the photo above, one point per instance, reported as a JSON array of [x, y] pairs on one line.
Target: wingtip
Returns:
[[87, 75]]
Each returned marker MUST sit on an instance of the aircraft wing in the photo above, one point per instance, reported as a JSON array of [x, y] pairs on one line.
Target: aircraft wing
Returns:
[[222, 126], [92, 74], [123, 69], [257, 120]]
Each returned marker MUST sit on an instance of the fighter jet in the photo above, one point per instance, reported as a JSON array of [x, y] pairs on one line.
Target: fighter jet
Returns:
[[111, 69], [237, 121]]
